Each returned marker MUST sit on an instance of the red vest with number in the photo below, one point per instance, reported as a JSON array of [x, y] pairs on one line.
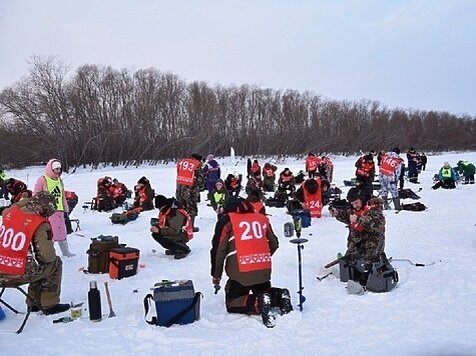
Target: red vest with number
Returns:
[[186, 171], [188, 228], [16, 233], [313, 202], [252, 246], [389, 164], [312, 163]]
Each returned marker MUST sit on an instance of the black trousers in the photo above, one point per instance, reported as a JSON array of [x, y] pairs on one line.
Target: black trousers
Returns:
[[238, 298]]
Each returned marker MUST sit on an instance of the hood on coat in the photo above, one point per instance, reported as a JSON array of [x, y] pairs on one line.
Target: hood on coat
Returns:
[[49, 170]]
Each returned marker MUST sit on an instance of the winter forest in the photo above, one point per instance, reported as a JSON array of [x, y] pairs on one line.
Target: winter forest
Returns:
[[94, 114]]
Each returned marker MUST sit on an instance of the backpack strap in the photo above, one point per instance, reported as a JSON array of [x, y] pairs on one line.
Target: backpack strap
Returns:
[[182, 313], [147, 300]]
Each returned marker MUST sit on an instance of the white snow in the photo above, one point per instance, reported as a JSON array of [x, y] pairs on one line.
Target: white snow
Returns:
[[430, 312]]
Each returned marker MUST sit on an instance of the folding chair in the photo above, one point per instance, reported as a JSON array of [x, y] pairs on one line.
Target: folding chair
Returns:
[[3, 287], [77, 227]]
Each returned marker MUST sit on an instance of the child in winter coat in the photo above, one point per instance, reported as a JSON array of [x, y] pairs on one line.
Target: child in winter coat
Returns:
[[52, 183]]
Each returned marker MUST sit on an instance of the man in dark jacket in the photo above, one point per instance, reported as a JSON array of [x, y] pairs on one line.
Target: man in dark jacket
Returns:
[[243, 243], [173, 229], [37, 263], [414, 161]]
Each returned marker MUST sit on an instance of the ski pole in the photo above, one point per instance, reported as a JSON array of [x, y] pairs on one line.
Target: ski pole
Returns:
[[217, 288]]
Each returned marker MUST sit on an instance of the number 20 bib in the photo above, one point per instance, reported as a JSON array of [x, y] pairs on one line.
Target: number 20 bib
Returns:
[[252, 247]]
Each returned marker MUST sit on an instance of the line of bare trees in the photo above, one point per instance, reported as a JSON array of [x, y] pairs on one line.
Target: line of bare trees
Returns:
[[100, 114]]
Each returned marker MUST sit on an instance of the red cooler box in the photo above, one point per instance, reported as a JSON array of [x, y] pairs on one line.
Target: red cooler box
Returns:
[[123, 262]]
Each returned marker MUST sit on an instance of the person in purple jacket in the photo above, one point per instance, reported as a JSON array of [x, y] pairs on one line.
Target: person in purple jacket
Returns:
[[211, 172]]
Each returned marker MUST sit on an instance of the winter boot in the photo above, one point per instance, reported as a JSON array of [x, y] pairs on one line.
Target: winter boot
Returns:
[[178, 255], [63, 244], [285, 305], [281, 298], [58, 308], [386, 205], [396, 203], [265, 308], [195, 228]]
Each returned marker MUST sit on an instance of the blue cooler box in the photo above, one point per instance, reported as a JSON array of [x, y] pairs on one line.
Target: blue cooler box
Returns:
[[176, 303]]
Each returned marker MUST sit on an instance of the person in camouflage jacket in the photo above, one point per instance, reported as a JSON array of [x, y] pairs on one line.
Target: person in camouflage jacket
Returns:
[[42, 264], [188, 195], [366, 239]]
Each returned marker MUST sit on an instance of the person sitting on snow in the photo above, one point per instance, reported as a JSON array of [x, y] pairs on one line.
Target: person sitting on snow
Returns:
[[447, 177], [36, 261], [118, 192], [233, 183], [144, 196], [17, 190], [104, 201], [218, 197], [269, 177]]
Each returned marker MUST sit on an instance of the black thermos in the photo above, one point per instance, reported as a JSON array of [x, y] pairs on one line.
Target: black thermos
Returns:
[[94, 302]]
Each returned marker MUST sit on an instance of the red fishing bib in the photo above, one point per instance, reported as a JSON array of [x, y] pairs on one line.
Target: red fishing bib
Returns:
[[16, 232], [252, 247], [186, 171]]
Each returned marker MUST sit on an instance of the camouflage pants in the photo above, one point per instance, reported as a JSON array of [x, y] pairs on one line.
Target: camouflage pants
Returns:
[[368, 249], [51, 288], [389, 185], [188, 197]]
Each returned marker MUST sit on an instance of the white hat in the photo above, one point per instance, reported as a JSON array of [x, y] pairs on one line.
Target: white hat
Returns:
[[55, 165]]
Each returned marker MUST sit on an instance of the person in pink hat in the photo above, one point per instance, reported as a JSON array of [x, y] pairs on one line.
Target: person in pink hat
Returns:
[[51, 182]]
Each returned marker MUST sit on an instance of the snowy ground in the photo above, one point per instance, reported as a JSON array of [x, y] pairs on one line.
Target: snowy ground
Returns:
[[431, 312]]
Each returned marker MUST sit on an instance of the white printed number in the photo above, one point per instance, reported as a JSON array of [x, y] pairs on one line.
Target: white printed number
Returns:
[[187, 166], [253, 230], [10, 240], [392, 163], [314, 204]]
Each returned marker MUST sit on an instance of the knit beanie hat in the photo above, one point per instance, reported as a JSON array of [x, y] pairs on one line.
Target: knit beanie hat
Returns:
[[160, 201]]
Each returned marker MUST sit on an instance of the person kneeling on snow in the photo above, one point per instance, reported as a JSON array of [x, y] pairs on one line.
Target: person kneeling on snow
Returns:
[[173, 229], [366, 239], [447, 177], [244, 243], [35, 262]]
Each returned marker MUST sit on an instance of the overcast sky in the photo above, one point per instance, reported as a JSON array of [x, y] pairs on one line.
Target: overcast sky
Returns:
[[410, 54]]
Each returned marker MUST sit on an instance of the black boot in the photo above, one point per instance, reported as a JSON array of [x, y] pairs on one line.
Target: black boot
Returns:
[[265, 308], [58, 308], [178, 255], [285, 305], [281, 298]]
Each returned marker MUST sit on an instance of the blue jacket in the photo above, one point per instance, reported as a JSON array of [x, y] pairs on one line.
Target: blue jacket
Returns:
[[454, 175]]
